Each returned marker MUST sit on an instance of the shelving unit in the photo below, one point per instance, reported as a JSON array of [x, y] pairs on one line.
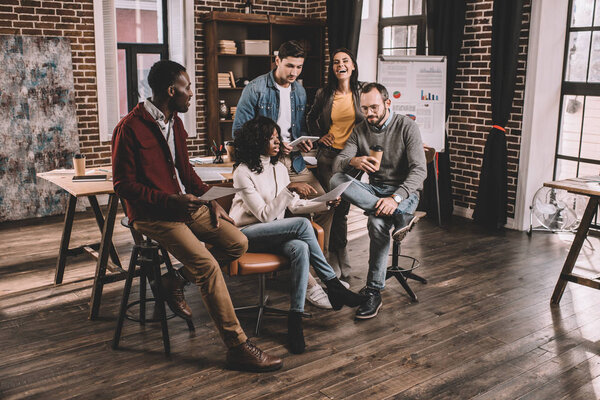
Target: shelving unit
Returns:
[[238, 27]]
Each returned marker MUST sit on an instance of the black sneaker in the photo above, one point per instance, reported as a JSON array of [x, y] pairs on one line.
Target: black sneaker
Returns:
[[369, 308], [403, 224]]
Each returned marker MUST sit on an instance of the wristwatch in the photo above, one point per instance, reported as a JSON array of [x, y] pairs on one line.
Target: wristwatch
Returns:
[[397, 198]]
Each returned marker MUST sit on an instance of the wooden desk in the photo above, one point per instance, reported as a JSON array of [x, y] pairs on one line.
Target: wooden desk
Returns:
[[105, 249], [588, 186]]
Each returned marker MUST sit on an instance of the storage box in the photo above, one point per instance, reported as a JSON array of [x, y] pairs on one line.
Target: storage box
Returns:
[[255, 47]]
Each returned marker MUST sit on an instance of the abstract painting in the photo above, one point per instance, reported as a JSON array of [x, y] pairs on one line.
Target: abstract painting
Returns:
[[38, 132]]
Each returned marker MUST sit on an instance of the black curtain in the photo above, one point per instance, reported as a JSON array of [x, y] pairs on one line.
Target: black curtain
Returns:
[[445, 28], [343, 24], [490, 209]]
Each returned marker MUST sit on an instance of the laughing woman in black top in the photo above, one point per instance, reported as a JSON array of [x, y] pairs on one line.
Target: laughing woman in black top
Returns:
[[334, 113]]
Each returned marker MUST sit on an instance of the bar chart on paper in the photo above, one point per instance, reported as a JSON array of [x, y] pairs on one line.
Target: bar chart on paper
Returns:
[[429, 96], [417, 85]]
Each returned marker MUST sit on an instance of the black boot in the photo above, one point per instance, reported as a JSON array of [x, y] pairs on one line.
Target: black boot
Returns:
[[295, 333], [340, 296]]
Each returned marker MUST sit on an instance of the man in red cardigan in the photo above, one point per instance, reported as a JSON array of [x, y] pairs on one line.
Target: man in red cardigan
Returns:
[[152, 173]]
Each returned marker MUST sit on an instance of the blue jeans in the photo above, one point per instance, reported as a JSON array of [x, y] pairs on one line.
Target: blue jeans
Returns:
[[365, 196], [295, 239]]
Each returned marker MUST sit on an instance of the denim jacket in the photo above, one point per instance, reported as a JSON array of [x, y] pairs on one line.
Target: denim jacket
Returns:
[[261, 97]]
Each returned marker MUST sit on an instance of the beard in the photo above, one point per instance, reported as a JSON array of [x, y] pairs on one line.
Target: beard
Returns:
[[378, 121]]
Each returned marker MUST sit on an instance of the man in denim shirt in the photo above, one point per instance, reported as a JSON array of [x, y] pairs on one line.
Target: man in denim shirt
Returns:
[[278, 96]]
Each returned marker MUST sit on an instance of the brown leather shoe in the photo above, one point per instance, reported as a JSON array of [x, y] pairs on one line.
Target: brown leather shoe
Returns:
[[172, 291], [248, 357]]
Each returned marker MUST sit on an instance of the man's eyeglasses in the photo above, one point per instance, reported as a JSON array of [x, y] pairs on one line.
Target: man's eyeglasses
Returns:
[[373, 107]]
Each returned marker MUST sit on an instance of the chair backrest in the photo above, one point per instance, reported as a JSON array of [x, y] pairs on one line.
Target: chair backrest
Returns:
[[429, 153], [256, 263], [226, 201]]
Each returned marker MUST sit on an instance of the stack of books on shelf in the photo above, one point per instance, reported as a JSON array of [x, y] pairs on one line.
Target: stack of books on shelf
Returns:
[[226, 79], [227, 47], [232, 111]]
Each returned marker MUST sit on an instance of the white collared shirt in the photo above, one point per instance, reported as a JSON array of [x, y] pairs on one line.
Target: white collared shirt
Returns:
[[166, 127]]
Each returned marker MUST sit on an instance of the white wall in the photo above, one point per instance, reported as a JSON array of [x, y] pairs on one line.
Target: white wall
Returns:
[[542, 98], [367, 43]]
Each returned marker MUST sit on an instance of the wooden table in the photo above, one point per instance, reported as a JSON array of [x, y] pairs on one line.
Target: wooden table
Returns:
[[105, 249], [588, 186]]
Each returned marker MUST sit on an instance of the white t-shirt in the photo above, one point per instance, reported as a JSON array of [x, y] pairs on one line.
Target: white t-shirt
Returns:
[[284, 120]]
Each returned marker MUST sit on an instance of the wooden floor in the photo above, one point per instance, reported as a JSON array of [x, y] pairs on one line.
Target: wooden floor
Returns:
[[483, 328]]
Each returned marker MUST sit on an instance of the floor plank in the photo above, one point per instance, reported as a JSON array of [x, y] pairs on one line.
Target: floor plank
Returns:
[[483, 327]]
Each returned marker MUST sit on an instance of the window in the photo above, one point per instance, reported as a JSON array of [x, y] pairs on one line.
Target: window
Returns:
[[578, 144], [402, 27], [130, 36], [142, 40]]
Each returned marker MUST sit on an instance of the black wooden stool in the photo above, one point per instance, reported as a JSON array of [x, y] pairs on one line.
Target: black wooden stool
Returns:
[[148, 256], [403, 274]]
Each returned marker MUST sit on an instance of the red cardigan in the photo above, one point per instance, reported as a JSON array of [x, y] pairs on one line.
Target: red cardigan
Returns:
[[143, 169]]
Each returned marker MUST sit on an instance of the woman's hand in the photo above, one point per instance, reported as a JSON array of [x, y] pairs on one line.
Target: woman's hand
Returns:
[[327, 140], [334, 203], [302, 188], [286, 148]]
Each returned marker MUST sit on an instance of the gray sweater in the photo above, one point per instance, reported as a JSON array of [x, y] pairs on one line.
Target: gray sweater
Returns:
[[403, 164]]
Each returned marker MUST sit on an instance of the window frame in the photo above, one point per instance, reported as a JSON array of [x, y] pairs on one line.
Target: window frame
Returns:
[[419, 20], [569, 88], [133, 49]]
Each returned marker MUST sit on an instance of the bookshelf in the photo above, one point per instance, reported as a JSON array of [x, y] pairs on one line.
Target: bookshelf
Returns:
[[222, 27]]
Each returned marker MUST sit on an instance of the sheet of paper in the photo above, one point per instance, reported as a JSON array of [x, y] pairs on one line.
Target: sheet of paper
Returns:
[[216, 192], [310, 160], [211, 174], [295, 143], [334, 194], [61, 171]]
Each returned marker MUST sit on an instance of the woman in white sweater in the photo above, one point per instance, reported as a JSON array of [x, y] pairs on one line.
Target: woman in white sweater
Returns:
[[259, 211]]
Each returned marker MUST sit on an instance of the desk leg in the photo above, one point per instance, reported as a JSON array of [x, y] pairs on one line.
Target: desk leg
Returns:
[[107, 232], [114, 256], [64, 241], [580, 236]]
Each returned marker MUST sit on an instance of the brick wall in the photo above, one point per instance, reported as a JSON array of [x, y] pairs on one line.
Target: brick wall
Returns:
[[471, 113], [470, 117], [74, 20]]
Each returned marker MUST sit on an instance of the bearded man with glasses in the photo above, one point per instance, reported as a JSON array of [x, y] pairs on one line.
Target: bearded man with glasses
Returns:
[[391, 196]]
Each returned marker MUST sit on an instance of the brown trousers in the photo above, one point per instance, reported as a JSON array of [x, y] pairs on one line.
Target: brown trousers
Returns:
[[184, 240]]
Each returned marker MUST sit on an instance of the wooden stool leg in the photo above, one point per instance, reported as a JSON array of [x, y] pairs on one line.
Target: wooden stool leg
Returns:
[[160, 302], [142, 296], [125, 298], [167, 260]]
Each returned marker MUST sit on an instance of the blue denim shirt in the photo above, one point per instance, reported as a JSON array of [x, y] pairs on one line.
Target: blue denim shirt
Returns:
[[261, 97]]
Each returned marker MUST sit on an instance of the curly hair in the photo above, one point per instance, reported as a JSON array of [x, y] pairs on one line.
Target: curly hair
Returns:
[[251, 142]]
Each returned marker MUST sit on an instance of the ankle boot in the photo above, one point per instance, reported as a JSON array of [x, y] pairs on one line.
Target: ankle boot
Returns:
[[340, 296], [295, 333]]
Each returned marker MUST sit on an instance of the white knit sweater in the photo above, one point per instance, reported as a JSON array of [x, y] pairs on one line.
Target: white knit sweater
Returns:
[[266, 197]]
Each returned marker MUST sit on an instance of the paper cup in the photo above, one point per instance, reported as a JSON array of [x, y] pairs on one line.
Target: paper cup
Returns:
[[377, 152], [79, 164]]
